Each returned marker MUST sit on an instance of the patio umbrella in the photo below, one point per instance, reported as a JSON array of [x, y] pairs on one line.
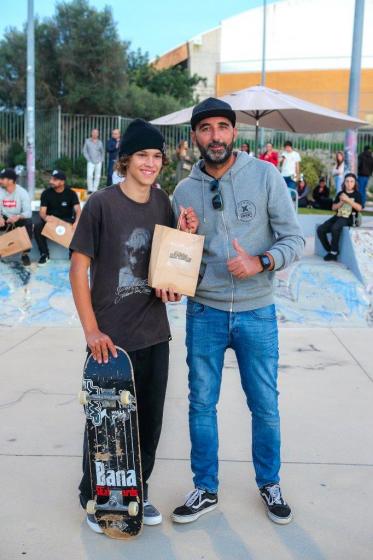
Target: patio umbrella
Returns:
[[265, 107]]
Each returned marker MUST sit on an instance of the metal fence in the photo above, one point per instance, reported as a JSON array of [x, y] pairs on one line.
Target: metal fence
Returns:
[[60, 134]]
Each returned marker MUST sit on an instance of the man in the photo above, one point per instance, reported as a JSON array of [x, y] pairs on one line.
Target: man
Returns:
[[365, 170], [58, 201], [112, 147], [93, 151], [250, 230], [113, 240], [290, 165], [15, 207]]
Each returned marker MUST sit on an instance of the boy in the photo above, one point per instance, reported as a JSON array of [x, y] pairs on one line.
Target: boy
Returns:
[[113, 239]]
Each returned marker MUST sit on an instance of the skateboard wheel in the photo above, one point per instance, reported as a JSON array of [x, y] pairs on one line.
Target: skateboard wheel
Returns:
[[133, 509], [83, 397], [125, 397], [91, 507]]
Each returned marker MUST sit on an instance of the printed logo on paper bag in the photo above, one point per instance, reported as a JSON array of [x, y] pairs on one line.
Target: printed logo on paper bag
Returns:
[[60, 230], [180, 256]]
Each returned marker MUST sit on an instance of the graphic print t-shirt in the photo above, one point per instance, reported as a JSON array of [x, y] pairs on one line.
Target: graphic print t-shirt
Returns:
[[116, 233], [61, 204], [346, 210]]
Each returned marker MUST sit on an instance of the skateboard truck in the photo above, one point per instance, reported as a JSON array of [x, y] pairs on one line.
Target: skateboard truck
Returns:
[[114, 503], [107, 397]]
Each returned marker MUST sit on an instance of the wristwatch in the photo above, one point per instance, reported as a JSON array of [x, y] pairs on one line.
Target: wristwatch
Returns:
[[265, 261]]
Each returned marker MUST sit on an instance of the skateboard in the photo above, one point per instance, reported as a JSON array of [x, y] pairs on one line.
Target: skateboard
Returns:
[[109, 398]]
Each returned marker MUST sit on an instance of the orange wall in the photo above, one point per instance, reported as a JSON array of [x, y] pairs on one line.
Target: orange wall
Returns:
[[324, 87]]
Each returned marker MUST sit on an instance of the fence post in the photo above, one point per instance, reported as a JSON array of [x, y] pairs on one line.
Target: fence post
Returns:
[[59, 131]]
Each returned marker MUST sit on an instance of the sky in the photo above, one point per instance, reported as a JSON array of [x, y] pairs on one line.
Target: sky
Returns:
[[153, 26]]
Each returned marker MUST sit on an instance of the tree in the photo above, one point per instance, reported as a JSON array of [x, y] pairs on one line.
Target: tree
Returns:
[[174, 81], [84, 66]]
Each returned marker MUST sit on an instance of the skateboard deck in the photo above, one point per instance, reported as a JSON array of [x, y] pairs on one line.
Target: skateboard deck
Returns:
[[109, 398]]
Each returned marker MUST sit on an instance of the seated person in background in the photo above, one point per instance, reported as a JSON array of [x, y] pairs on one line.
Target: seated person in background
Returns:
[[346, 204], [321, 196], [303, 192], [57, 201], [245, 147], [15, 207]]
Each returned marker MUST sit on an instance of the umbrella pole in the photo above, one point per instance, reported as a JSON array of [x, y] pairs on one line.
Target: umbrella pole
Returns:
[[256, 138]]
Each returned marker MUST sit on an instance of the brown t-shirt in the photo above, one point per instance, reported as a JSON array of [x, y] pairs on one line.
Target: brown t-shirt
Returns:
[[116, 233]]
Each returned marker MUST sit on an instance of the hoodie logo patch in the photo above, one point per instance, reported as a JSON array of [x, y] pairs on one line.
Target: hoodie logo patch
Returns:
[[246, 210]]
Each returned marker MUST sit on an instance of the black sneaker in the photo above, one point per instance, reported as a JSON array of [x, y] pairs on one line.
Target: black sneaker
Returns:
[[25, 259], [197, 503], [277, 509], [43, 259], [330, 257]]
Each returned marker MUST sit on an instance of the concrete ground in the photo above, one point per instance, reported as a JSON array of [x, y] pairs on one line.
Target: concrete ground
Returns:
[[326, 397]]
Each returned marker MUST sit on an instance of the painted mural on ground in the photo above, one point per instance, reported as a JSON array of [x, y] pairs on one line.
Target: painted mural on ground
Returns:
[[362, 241], [309, 293]]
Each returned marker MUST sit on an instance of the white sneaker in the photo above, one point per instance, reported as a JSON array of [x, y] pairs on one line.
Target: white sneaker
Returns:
[[92, 524], [151, 515]]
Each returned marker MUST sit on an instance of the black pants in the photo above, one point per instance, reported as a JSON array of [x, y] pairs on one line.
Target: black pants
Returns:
[[27, 222], [150, 367], [334, 226]]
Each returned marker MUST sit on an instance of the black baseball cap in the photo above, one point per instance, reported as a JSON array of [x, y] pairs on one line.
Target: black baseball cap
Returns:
[[212, 107], [59, 175], [8, 173], [141, 135]]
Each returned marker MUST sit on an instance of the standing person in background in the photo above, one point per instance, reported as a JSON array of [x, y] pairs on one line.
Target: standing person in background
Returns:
[[365, 170], [290, 165], [93, 151], [184, 161], [338, 171], [112, 147], [245, 147], [270, 155], [15, 207]]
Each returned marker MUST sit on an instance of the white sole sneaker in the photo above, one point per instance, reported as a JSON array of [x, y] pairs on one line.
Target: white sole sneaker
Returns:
[[279, 520], [93, 525], [193, 516], [152, 520]]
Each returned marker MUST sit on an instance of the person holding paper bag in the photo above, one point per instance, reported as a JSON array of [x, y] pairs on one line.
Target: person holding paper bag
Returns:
[[113, 240], [250, 230], [58, 201], [15, 207]]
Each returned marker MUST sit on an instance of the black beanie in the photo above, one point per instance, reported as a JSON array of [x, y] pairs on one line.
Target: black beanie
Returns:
[[212, 107], [141, 135]]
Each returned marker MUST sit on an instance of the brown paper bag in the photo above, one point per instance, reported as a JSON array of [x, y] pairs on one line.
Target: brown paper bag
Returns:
[[14, 241], [59, 231], [175, 260]]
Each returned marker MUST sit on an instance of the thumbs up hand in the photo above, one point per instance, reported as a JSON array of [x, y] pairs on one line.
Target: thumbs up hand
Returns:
[[243, 265]]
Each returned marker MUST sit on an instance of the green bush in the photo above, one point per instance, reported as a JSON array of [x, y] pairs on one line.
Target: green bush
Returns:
[[16, 155], [167, 178], [64, 164], [312, 168], [80, 167]]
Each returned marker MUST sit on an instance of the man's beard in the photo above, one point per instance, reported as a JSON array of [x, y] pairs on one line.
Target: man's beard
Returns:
[[213, 157]]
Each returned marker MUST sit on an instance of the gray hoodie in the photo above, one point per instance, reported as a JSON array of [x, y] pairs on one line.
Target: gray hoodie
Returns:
[[258, 212]]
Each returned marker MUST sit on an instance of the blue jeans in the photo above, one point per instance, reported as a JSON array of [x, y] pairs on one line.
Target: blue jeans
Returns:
[[290, 183], [363, 181], [253, 336]]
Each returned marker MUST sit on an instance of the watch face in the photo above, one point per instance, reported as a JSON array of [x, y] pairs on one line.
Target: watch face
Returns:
[[266, 261]]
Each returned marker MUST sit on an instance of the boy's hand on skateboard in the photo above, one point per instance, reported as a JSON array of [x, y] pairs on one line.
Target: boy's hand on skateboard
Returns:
[[100, 344], [167, 295]]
